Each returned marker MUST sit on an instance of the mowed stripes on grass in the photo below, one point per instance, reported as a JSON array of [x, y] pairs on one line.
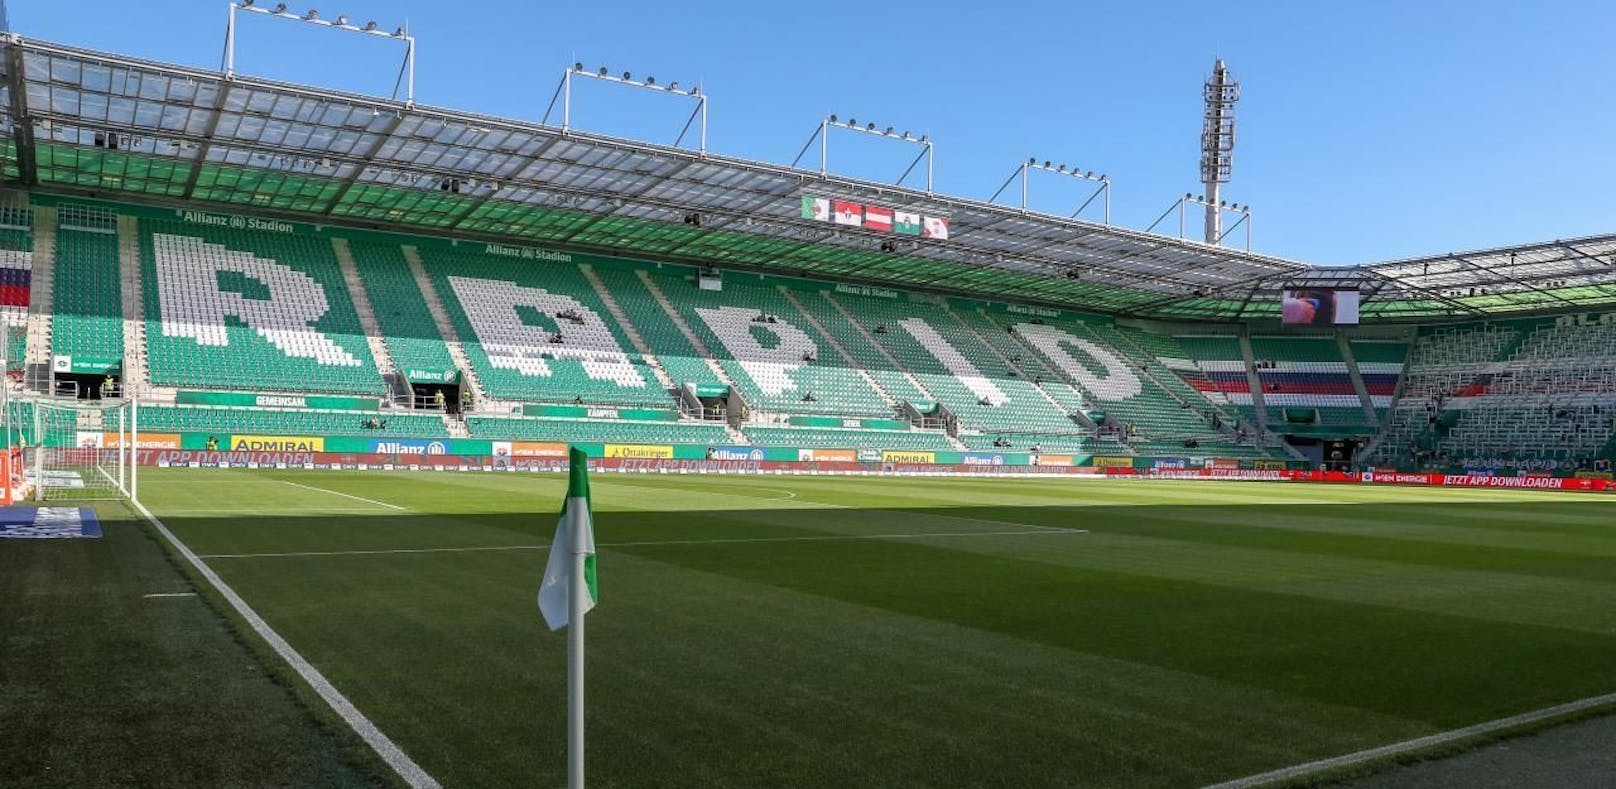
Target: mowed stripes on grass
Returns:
[[918, 632]]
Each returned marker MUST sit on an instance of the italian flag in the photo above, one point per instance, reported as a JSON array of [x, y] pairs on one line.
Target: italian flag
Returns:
[[906, 222], [877, 217], [574, 534]]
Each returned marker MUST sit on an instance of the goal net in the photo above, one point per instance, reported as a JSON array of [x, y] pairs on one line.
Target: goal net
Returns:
[[72, 449]]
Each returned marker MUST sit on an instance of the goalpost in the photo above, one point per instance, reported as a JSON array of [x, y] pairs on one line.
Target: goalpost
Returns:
[[73, 450]]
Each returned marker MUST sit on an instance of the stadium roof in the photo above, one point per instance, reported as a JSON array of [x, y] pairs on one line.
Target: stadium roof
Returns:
[[78, 121]]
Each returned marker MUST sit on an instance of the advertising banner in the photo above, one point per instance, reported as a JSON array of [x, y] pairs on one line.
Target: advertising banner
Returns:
[[596, 412], [981, 459], [531, 449], [828, 455], [408, 446], [277, 444], [735, 453], [1107, 461], [638, 451], [144, 440], [418, 375], [192, 397], [1054, 460], [907, 456]]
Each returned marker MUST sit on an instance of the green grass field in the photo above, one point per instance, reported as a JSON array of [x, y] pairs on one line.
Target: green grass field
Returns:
[[918, 632]]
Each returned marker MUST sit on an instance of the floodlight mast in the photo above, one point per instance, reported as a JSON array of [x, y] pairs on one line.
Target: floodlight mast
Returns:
[[406, 74], [1102, 179], [822, 133], [1217, 143], [564, 95], [1218, 208]]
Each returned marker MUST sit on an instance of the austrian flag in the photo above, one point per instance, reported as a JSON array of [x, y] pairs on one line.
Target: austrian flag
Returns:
[[878, 218]]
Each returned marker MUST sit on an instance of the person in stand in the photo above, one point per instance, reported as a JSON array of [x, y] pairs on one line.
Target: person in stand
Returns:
[[437, 399], [465, 400], [212, 444], [108, 384]]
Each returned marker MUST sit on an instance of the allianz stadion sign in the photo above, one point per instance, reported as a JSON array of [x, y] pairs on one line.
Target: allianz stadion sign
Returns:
[[236, 222]]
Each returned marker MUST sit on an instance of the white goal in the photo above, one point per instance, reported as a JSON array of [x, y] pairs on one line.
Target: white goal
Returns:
[[77, 450]]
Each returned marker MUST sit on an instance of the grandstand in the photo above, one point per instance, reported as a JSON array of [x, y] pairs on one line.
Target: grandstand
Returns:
[[280, 283], [484, 300]]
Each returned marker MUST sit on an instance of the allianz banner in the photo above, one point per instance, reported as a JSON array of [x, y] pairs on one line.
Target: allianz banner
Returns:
[[250, 400], [417, 375], [735, 453]]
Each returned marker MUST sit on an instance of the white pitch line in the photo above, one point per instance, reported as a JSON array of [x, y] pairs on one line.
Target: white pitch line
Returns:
[[379, 742], [644, 543], [832, 537], [344, 495], [170, 594], [375, 552], [1417, 744]]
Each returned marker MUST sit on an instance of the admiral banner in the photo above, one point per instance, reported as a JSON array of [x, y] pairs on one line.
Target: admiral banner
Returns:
[[1053, 460], [1269, 465], [905, 456], [639, 451], [277, 444]]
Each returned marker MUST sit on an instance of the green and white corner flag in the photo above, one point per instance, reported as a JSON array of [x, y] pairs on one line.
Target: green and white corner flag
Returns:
[[574, 534]]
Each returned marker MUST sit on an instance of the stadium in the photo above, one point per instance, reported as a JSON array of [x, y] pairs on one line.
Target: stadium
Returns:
[[889, 487]]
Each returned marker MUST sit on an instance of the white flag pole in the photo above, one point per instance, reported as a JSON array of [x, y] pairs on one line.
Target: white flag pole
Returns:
[[577, 592]]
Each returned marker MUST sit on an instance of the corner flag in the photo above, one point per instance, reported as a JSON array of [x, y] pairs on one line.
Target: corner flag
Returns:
[[567, 593], [575, 535]]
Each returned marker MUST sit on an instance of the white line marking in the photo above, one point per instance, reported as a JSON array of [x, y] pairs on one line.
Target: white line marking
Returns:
[[344, 495], [925, 535], [390, 753], [1288, 774], [643, 543], [376, 552], [170, 594]]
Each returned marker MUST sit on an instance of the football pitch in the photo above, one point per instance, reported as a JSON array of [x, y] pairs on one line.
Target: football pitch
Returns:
[[883, 632]]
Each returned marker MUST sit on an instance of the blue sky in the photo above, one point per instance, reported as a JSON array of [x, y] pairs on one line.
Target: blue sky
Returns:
[[1367, 131]]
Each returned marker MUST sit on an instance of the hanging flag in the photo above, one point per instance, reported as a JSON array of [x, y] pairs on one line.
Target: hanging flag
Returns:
[[877, 217], [935, 227], [575, 516], [815, 208], [849, 213], [906, 222]]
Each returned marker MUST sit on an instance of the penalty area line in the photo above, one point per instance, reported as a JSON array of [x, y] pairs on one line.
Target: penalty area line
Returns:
[[1418, 744], [384, 747], [344, 495], [650, 543]]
